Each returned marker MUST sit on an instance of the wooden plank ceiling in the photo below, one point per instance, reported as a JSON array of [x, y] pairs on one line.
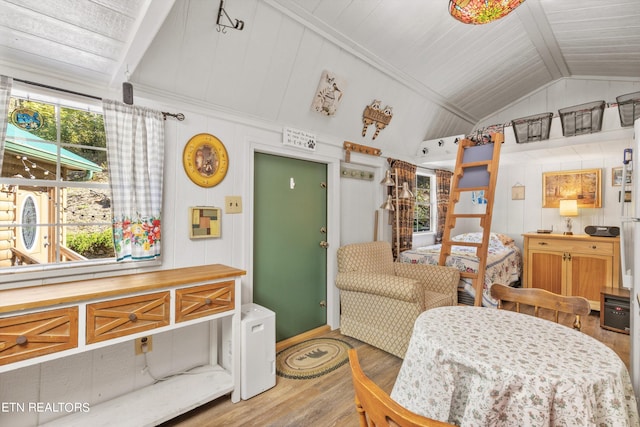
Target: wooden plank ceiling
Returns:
[[440, 76]]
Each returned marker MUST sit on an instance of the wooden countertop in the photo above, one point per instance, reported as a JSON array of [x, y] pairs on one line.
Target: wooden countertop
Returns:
[[572, 236], [81, 290]]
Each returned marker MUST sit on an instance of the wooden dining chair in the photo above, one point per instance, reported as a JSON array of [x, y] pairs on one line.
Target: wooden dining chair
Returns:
[[376, 408], [541, 298]]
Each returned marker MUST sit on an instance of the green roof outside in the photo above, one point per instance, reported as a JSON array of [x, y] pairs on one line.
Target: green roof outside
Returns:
[[35, 148]]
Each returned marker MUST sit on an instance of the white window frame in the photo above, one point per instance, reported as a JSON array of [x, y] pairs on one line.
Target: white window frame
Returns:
[[432, 199], [36, 274]]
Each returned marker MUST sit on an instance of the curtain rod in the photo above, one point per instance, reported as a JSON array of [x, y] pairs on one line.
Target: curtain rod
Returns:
[[178, 116]]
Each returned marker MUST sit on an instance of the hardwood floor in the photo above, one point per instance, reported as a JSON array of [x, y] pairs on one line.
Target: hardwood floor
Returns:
[[328, 400]]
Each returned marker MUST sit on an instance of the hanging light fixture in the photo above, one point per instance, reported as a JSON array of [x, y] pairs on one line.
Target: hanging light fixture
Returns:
[[481, 11]]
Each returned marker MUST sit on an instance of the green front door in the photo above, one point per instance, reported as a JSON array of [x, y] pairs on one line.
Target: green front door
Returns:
[[289, 262]]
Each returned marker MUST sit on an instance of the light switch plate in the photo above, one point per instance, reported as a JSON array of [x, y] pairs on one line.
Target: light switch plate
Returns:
[[233, 204]]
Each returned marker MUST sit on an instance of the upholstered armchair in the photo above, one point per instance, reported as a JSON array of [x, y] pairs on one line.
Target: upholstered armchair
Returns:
[[380, 299]]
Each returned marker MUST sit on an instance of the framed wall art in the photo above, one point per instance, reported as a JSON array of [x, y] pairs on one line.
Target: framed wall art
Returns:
[[205, 160], [328, 94], [584, 185], [627, 196], [204, 221], [616, 177], [517, 192]]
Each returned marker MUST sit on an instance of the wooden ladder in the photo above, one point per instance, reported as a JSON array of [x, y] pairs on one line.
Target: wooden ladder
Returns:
[[476, 170]]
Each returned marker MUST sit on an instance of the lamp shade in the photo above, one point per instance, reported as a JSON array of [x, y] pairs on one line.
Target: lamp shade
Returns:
[[388, 204], [405, 193], [481, 11], [568, 208], [388, 180]]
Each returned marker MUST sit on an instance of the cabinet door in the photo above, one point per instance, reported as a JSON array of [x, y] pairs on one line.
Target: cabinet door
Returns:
[[546, 270], [589, 273]]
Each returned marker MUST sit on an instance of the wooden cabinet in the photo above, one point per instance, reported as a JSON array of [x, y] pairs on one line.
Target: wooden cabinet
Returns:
[[577, 265]]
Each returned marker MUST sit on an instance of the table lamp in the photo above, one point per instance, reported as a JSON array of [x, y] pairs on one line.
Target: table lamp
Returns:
[[568, 208]]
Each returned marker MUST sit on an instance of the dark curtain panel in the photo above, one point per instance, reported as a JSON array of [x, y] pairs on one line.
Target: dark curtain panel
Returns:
[[443, 188], [405, 209]]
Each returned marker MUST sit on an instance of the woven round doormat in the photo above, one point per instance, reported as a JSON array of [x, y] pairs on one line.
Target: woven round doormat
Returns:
[[312, 358]]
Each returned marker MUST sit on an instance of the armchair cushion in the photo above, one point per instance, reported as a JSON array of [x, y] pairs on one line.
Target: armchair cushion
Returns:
[[436, 278], [371, 257], [396, 287]]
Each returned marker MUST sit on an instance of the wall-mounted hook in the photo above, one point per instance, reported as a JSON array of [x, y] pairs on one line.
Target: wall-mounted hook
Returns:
[[236, 24]]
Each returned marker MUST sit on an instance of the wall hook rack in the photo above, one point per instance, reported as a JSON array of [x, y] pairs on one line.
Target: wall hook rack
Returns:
[[228, 22]]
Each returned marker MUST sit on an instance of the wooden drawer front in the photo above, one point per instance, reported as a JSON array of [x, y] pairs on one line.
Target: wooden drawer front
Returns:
[[585, 247], [542, 244], [31, 335], [205, 300], [595, 248], [125, 316]]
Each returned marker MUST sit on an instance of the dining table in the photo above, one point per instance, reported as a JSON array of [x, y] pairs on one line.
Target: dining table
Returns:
[[479, 366]]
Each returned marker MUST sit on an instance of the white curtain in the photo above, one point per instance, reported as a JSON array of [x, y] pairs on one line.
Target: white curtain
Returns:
[[135, 146], [5, 94]]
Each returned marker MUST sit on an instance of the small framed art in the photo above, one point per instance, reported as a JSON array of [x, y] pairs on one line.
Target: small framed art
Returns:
[[204, 221], [517, 192], [616, 177]]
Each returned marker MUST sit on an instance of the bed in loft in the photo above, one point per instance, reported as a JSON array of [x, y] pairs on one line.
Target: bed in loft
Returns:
[[504, 263]]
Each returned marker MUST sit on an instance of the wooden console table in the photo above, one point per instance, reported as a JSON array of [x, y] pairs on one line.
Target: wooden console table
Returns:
[[47, 322]]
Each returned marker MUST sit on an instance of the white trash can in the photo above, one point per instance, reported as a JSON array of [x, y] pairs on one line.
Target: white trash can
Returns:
[[258, 350]]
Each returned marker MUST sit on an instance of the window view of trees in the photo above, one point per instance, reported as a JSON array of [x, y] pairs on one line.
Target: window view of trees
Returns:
[[54, 179], [422, 219]]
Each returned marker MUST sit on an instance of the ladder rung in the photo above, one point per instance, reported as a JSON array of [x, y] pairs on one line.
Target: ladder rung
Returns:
[[459, 189], [468, 215], [475, 164], [468, 275], [471, 244]]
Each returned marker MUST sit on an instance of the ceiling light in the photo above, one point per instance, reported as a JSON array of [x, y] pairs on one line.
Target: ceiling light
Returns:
[[481, 11]]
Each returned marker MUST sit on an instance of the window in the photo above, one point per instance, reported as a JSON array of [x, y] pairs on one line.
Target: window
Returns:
[[425, 197], [54, 186]]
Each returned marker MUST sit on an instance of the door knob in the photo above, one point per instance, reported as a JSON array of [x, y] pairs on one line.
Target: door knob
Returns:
[[324, 244]]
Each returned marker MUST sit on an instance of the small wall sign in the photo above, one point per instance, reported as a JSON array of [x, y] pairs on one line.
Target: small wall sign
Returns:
[[517, 192], [299, 138]]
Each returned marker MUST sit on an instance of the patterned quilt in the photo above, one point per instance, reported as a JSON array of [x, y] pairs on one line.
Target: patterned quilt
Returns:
[[504, 265]]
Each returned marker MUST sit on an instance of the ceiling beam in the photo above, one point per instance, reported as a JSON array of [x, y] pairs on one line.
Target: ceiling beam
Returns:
[[144, 31], [537, 26]]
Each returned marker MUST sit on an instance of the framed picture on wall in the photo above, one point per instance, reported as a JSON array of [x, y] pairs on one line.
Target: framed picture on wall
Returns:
[[616, 177], [204, 221], [584, 185]]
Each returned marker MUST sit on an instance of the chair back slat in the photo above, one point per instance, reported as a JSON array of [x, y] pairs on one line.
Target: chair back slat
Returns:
[[376, 408], [541, 298]]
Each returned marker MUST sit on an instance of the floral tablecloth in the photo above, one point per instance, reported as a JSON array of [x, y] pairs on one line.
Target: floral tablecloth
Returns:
[[476, 366]]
